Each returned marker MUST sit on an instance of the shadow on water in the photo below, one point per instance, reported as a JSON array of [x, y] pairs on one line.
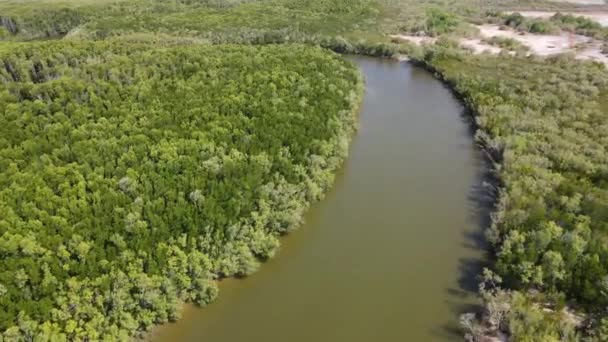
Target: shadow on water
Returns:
[[481, 199], [394, 250]]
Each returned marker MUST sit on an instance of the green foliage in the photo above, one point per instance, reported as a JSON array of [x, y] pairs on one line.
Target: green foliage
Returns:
[[439, 22], [138, 170], [134, 176], [43, 22], [580, 25], [567, 22], [190, 18], [532, 25], [506, 43], [527, 322], [544, 124]]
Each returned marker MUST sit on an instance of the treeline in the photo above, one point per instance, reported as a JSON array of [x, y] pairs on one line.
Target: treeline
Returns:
[[559, 21], [184, 17], [133, 177], [544, 123], [40, 23], [328, 24]]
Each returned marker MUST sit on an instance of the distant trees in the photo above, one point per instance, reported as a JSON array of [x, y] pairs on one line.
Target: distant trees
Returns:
[[133, 177], [572, 23], [189, 18]]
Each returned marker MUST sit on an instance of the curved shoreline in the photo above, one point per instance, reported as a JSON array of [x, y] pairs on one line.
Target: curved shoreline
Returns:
[[331, 235]]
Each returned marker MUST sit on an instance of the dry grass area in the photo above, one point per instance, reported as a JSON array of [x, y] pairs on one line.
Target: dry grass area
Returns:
[[582, 47], [550, 44], [599, 17], [583, 2]]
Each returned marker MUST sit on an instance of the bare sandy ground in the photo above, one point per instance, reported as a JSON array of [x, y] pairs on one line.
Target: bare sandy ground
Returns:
[[583, 2], [473, 44], [479, 46], [418, 40], [542, 45], [599, 17]]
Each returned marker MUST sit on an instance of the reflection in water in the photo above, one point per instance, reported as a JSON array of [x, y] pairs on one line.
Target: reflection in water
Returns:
[[391, 253]]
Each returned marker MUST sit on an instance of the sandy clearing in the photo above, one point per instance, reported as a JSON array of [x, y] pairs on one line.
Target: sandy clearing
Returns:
[[418, 40], [479, 46], [599, 17], [545, 45], [475, 45], [542, 45], [582, 2]]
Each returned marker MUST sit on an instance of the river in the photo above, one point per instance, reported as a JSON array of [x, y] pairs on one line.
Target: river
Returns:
[[392, 251]]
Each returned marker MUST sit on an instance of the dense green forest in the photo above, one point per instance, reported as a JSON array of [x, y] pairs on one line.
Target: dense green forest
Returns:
[[544, 124], [134, 176], [141, 158]]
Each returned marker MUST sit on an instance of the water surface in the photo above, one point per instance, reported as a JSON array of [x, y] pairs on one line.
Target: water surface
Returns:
[[390, 253]]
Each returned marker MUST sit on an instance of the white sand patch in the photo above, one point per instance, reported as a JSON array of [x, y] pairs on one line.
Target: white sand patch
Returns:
[[479, 46], [418, 40], [583, 2], [594, 52], [550, 44], [539, 44], [599, 17]]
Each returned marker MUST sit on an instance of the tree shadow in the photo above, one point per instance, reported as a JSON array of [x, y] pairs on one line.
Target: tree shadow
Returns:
[[451, 330], [481, 202]]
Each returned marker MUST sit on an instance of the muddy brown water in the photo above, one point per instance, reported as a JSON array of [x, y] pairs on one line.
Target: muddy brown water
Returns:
[[391, 253]]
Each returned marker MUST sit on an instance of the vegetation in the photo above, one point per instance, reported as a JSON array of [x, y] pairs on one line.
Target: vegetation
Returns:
[[506, 43], [134, 176], [436, 23], [532, 25], [139, 164], [439, 22], [543, 123], [189, 18], [520, 315], [559, 21], [580, 25]]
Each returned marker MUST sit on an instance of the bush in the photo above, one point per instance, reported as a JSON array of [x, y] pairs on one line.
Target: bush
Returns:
[[133, 176], [439, 22]]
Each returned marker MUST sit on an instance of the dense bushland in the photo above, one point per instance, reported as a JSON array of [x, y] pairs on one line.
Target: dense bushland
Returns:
[[545, 124], [137, 171], [559, 21], [132, 177], [508, 44], [186, 18], [329, 24]]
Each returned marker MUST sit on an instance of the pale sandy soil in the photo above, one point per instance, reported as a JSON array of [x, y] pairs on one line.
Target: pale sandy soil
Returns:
[[473, 44], [542, 45], [418, 40], [479, 46], [599, 17], [583, 2], [545, 45], [539, 44]]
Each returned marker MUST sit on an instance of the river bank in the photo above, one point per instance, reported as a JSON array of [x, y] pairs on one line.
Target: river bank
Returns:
[[391, 252]]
